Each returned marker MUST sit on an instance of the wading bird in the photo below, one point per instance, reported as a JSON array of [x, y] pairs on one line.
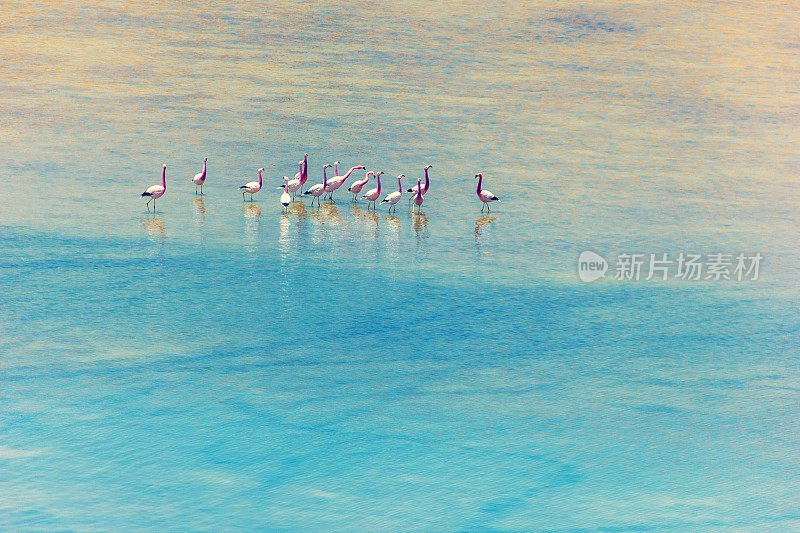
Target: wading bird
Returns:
[[200, 179], [285, 198], [424, 189], [485, 195], [319, 189], [252, 187], [393, 198], [418, 199], [373, 194], [337, 181], [296, 183], [156, 191], [304, 173], [356, 187]]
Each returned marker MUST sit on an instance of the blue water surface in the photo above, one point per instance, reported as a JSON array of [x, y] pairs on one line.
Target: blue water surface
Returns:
[[222, 365]]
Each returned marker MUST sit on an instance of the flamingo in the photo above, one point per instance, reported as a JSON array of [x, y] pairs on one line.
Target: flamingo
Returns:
[[424, 189], [373, 194], [200, 179], [304, 173], [156, 191], [484, 195], [393, 198], [297, 182], [252, 187], [285, 198], [317, 190], [337, 181], [356, 187], [418, 199]]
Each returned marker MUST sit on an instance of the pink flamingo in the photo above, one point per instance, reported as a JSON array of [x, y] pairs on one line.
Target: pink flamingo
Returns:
[[483, 194], [317, 190], [252, 187], [304, 177], [337, 181], [356, 187], [418, 199], [393, 198], [296, 183], [425, 188], [200, 179], [373, 194], [156, 191]]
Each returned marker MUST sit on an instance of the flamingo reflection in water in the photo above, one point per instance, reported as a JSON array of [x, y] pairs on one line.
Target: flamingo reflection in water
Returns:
[[154, 226], [199, 205], [420, 224]]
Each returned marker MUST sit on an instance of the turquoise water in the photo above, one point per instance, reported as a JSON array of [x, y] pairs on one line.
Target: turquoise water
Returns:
[[221, 365]]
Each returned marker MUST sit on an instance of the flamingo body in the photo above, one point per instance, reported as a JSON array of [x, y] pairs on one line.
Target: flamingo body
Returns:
[[319, 189], [252, 187], [337, 181], [485, 196], [394, 197], [286, 199], [413, 190], [356, 187], [200, 178], [373, 194], [155, 192], [418, 199]]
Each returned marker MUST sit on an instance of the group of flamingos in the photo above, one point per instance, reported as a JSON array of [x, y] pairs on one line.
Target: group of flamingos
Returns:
[[328, 186]]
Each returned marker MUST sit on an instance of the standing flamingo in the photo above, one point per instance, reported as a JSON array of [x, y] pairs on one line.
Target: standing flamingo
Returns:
[[156, 191], [285, 198], [297, 182], [200, 179], [304, 173], [356, 187], [393, 198], [425, 188], [252, 187], [337, 181], [317, 190], [373, 194], [485, 195], [418, 199]]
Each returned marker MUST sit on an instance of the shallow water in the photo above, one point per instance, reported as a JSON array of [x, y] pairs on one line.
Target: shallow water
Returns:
[[223, 365]]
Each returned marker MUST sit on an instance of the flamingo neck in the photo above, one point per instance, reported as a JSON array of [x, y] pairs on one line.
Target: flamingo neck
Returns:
[[379, 183], [304, 170], [418, 195], [427, 181], [286, 185], [399, 187], [480, 180], [336, 168], [204, 168], [259, 178], [164, 178], [324, 177]]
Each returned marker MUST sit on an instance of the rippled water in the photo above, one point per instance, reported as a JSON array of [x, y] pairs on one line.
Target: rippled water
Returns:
[[223, 365]]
